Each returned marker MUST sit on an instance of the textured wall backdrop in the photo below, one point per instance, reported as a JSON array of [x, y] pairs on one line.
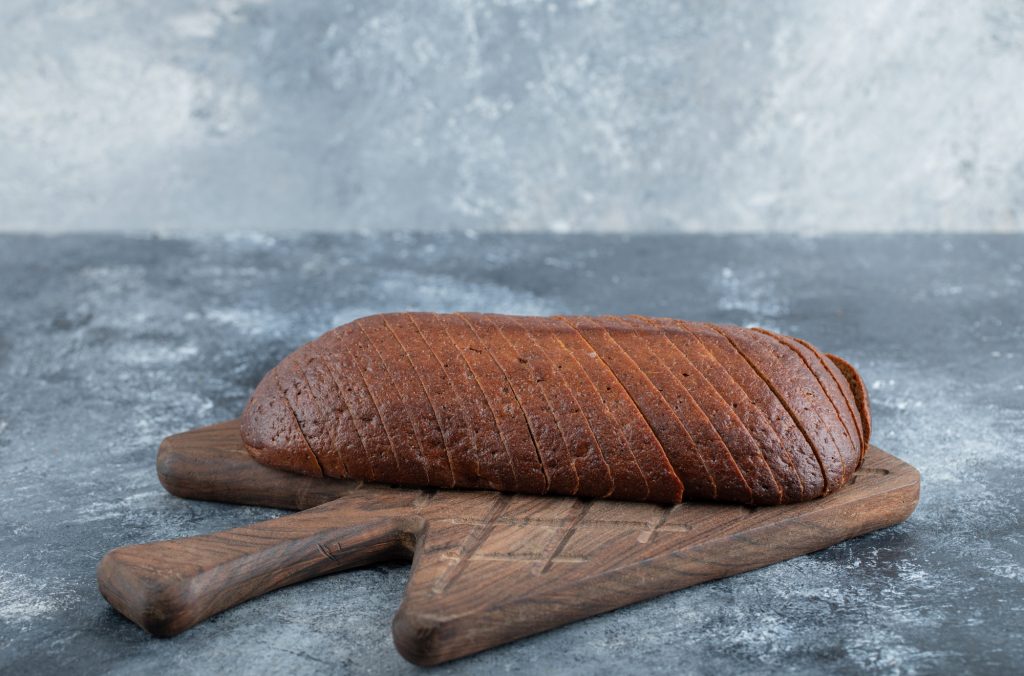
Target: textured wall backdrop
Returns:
[[812, 116]]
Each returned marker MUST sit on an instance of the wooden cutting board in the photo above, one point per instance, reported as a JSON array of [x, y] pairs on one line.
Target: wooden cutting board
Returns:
[[487, 568]]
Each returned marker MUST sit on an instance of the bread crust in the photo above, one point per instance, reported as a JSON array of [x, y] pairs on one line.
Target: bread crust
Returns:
[[560, 475], [690, 441], [787, 376], [458, 442], [415, 417], [738, 418], [804, 461], [860, 396], [498, 400], [584, 454], [631, 408], [627, 482], [851, 442], [663, 482]]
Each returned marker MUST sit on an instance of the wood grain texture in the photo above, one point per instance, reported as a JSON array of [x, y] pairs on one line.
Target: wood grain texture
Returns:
[[488, 567]]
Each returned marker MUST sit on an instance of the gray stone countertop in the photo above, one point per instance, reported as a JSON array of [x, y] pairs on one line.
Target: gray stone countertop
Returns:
[[108, 344]]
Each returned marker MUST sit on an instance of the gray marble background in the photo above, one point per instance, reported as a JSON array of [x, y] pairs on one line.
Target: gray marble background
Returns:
[[192, 115]]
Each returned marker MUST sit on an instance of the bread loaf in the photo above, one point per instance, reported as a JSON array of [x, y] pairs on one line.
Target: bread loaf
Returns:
[[627, 408]]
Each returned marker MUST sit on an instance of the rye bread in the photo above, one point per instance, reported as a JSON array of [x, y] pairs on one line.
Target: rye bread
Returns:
[[630, 408]]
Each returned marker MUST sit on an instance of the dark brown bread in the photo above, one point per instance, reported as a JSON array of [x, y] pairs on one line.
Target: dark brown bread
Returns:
[[384, 395], [474, 463], [684, 353], [626, 482], [271, 431], [637, 438], [756, 474], [630, 408], [806, 466], [525, 384], [855, 387], [594, 474], [306, 399], [702, 462], [415, 407], [495, 459], [440, 397], [790, 380], [511, 424], [336, 353]]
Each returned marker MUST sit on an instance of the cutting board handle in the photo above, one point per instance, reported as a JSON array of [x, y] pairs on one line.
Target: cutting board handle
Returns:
[[167, 587]]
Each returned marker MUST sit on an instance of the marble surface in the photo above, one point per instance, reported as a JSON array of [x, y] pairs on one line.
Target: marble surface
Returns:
[[110, 343], [539, 115]]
